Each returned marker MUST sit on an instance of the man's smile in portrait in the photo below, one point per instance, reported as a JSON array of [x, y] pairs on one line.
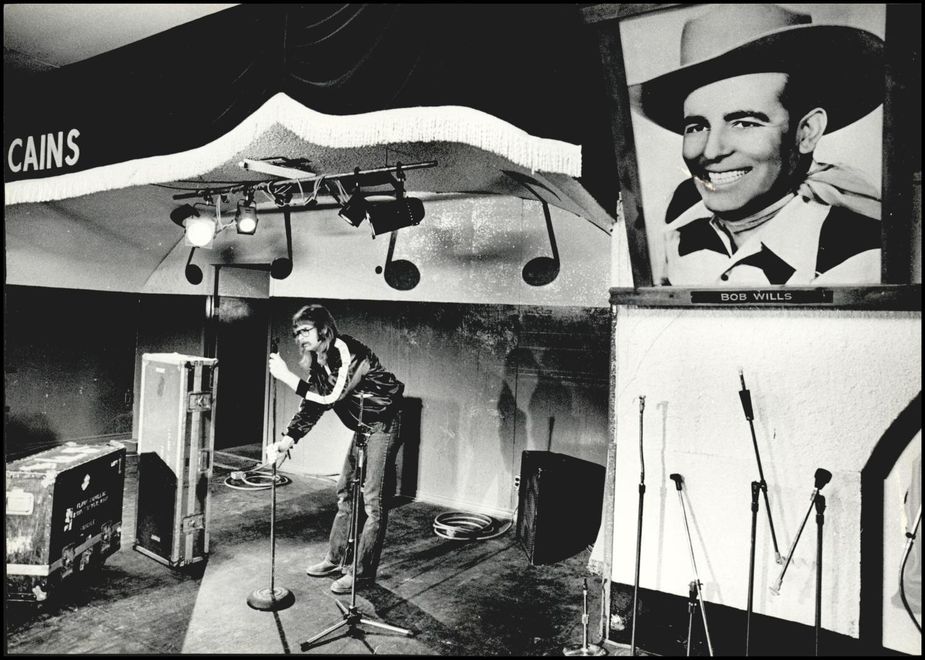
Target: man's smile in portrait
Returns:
[[737, 142]]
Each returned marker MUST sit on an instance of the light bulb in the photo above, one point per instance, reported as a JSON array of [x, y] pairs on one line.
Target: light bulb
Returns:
[[247, 224], [200, 231]]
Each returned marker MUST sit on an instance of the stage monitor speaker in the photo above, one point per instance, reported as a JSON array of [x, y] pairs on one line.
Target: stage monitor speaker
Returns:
[[559, 505]]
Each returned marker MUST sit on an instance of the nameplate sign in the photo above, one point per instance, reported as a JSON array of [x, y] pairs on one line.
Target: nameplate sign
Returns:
[[762, 297]]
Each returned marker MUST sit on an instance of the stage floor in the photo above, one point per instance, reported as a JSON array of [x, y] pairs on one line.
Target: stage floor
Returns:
[[468, 598]]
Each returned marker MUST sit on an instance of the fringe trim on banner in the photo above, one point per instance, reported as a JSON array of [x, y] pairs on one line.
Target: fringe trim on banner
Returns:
[[421, 124]]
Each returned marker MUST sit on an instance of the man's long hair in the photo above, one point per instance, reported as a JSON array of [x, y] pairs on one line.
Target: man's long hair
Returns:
[[321, 318]]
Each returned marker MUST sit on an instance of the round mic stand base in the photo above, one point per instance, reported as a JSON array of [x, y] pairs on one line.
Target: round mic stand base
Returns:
[[266, 600], [590, 649]]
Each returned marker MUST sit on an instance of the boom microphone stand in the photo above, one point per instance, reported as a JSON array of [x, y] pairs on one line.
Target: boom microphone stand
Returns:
[[695, 586], [691, 606], [352, 615], [822, 477], [746, 398], [275, 598], [756, 487], [642, 493]]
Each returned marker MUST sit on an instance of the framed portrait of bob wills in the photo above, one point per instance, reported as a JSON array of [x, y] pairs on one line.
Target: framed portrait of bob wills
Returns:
[[762, 152]]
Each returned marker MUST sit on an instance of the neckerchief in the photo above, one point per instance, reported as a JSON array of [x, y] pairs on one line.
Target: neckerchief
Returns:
[[840, 185]]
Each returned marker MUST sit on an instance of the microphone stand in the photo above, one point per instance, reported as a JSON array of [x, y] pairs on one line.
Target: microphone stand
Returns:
[[820, 519], [642, 492], [585, 648], [746, 398], [275, 598], [695, 586], [691, 606], [352, 617], [823, 477], [910, 539], [756, 487]]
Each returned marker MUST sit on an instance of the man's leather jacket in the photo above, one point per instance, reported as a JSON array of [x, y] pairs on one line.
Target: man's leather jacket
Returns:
[[380, 391]]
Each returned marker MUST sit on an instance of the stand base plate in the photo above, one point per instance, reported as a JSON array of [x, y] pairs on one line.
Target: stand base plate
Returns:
[[590, 649], [270, 601]]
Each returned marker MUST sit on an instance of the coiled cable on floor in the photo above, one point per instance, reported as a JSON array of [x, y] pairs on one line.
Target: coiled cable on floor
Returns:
[[463, 526], [258, 477]]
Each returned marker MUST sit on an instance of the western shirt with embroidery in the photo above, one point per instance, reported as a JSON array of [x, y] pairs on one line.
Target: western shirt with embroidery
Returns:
[[806, 243]]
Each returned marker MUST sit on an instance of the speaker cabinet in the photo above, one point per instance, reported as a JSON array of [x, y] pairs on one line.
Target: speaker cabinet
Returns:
[[559, 505]]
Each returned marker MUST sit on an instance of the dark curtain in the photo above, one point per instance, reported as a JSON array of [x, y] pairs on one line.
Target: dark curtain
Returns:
[[534, 66]]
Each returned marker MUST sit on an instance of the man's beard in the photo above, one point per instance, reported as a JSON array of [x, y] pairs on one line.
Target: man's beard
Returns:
[[306, 359]]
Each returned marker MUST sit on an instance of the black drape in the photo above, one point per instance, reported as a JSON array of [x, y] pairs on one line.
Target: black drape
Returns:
[[534, 66]]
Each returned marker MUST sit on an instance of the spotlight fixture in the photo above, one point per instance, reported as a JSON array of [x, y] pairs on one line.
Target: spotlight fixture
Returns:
[[199, 230], [246, 217], [180, 214], [395, 214], [356, 210]]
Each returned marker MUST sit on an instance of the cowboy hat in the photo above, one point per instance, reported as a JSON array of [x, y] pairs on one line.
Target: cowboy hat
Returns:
[[844, 64]]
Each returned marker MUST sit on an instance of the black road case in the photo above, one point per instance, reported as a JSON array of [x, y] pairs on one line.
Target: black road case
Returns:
[[63, 515]]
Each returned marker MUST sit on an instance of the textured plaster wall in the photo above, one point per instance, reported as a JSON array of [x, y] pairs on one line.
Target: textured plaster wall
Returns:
[[491, 381], [824, 384]]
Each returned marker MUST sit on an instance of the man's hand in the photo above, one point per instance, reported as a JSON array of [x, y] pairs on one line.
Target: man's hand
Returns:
[[280, 371], [278, 367], [276, 450]]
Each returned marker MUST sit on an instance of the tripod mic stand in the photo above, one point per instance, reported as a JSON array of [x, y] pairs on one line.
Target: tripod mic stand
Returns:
[[756, 487], [351, 613], [585, 648], [275, 598], [695, 586], [822, 477], [746, 398], [642, 493]]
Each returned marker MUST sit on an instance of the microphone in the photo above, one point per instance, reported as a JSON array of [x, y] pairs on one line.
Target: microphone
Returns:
[[821, 477], [677, 479], [746, 397]]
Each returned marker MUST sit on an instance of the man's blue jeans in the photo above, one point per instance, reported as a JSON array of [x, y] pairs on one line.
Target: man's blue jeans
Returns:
[[381, 450]]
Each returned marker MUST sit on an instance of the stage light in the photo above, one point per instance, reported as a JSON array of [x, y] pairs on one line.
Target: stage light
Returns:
[[180, 214], [396, 214], [199, 230], [246, 218], [356, 210]]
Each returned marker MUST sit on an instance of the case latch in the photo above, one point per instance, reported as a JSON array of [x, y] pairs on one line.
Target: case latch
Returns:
[[199, 401], [194, 522]]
